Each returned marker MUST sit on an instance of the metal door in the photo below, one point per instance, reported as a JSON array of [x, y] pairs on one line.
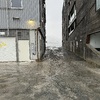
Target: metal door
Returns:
[[23, 50], [7, 49]]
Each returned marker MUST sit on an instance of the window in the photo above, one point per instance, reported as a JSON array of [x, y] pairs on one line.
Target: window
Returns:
[[97, 4], [77, 44], [72, 20], [19, 35], [94, 40], [2, 33], [72, 27], [69, 2], [64, 3], [72, 15], [16, 3]]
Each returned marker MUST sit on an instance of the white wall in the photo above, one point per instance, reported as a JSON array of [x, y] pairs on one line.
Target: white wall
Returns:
[[33, 44], [7, 49], [23, 50]]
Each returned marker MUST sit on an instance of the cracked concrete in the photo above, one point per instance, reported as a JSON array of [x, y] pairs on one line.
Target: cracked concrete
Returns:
[[55, 78]]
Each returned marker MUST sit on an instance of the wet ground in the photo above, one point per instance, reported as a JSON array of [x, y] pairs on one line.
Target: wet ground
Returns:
[[55, 78]]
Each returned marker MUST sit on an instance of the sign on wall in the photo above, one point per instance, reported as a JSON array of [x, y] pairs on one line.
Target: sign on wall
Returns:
[[2, 33]]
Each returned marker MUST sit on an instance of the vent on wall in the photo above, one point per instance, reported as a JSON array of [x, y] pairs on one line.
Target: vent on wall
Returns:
[[16, 18]]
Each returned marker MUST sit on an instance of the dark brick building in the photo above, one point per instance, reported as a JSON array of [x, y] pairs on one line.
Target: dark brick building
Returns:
[[81, 28]]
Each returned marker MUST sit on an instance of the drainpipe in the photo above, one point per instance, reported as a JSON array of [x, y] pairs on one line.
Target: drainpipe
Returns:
[[17, 51], [7, 17], [43, 37]]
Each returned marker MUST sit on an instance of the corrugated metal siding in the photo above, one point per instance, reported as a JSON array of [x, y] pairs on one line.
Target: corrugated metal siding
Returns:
[[30, 11], [3, 19], [3, 3]]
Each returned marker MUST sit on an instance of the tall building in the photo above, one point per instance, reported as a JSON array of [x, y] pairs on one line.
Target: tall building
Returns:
[[81, 28], [22, 30]]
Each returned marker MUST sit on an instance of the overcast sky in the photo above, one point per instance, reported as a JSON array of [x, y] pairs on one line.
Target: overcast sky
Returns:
[[54, 22]]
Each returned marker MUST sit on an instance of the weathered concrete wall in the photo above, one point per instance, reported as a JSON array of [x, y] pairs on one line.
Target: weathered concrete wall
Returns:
[[87, 23]]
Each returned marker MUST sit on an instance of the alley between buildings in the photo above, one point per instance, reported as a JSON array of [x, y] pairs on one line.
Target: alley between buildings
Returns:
[[55, 78]]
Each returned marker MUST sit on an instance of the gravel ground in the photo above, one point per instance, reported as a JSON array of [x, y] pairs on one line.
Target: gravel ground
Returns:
[[55, 78]]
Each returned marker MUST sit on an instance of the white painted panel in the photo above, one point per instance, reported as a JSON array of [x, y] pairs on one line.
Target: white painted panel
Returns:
[[23, 46], [97, 4], [33, 45], [95, 40], [7, 49]]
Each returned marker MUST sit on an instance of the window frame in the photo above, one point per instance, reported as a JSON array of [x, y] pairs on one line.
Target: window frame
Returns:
[[21, 7], [74, 13], [19, 34], [96, 1], [74, 21]]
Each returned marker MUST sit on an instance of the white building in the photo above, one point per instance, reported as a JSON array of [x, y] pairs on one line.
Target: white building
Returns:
[[22, 30]]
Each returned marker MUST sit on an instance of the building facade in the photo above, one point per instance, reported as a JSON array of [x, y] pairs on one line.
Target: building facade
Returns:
[[22, 30], [81, 28]]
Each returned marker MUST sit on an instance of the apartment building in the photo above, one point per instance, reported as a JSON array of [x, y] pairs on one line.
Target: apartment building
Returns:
[[22, 30], [81, 28]]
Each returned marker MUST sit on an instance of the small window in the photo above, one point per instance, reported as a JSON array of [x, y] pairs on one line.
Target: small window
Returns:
[[97, 4], [69, 2], [72, 27], [64, 3], [19, 35], [2, 33], [77, 44], [16, 3], [72, 15], [27, 33]]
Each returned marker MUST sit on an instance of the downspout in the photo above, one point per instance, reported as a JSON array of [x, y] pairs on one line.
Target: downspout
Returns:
[[43, 37], [41, 34], [7, 12], [37, 46], [17, 51], [41, 2]]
